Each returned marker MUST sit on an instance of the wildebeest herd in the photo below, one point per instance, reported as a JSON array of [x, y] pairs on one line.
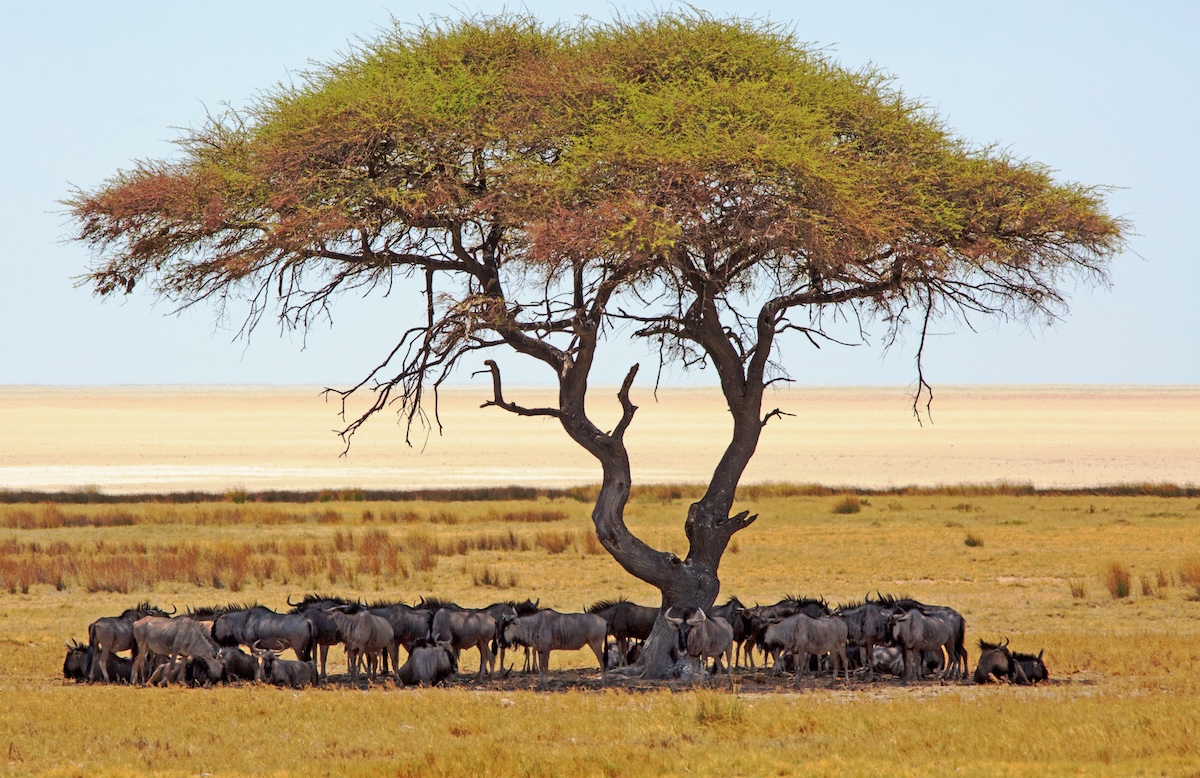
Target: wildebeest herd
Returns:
[[884, 635]]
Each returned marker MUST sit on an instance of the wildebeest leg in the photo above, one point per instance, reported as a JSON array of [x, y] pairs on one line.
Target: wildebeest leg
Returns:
[[543, 661], [601, 657], [324, 650]]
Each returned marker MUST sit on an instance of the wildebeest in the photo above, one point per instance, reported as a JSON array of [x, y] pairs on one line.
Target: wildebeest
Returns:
[[627, 621], [956, 657], [548, 630], [365, 636], [463, 629], [996, 661], [917, 631], [110, 634], [702, 638], [246, 625], [75, 665], [803, 636], [732, 611], [428, 664], [239, 666], [866, 625], [315, 607], [408, 626], [174, 638], [760, 617], [1032, 666], [283, 672]]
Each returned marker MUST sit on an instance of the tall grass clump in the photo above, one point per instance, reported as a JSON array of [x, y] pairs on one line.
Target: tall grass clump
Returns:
[[1078, 588], [717, 709], [493, 579], [1189, 575], [973, 540], [1118, 580], [848, 504], [554, 542]]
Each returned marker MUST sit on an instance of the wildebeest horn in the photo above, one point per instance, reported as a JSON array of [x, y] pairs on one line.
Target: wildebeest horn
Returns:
[[174, 610], [1005, 644], [293, 604], [693, 620], [672, 619]]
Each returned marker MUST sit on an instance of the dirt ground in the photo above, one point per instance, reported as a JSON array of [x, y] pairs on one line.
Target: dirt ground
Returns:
[[132, 439]]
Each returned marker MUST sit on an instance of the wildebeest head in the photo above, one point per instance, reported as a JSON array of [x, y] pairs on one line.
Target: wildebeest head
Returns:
[[1032, 666], [75, 666], [683, 626]]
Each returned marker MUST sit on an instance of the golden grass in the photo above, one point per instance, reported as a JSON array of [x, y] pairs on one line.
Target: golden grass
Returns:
[[1125, 696]]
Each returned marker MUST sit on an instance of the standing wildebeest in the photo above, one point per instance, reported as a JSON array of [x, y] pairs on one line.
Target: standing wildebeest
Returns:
[[803, 636], [917, 631], [762, 616], [548, 630], [463, 629], [175, 638], [365, 636], [626, 621], [245, 626], [956, 659], [315, 607], [115, 633], [283, 672], [428, 664], [733, 611], [866, 625], [1032, 666], [701, 638]]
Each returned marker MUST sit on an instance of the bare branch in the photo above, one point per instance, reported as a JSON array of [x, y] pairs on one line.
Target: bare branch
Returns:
[[498, 396]]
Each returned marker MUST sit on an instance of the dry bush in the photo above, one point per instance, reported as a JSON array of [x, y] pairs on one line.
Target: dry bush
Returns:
[[1147, 583], [494, 579], [848, 504], [400, 517], [1117, 579], [444, 517], [1189, 575], [554, 542], [1078, 588], [973, 540], [329, 517], [592, 544]]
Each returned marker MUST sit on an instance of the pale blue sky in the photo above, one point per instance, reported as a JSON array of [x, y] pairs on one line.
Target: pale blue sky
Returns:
[[1105, 93]]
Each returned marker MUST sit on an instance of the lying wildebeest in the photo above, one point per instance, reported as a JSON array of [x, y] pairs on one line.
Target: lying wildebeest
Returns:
[[246, 625], [866, 625], [428, 664], [1032, 666], [627, 621], [701, 638], [239, 666], [917, 631], [996, 661], [803, 636], [365, 636], [463, 629], [548, 630], [408, 626], [175, 638], [283, 672], [75, 666], [115, 633]]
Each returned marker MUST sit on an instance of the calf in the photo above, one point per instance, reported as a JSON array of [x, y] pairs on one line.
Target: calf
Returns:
[[703, 638]]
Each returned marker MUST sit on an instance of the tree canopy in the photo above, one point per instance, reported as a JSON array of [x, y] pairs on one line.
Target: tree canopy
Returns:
[[707, 184]]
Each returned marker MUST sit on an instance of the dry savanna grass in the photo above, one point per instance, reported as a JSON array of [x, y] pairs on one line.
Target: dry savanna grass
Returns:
[[1124, 696]]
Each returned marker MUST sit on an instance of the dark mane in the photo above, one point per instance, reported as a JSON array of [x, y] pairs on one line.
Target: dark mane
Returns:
[[986, 646], [733, 599], [852, 605], [1021, 657], [436, 603], [596, 607], [385, 604], [142, 607], [800, 602], [313, 598], [526, 608]]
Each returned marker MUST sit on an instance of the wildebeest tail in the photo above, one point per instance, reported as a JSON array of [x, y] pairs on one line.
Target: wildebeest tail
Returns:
[[311, 644], [960, 639], [91, 652]]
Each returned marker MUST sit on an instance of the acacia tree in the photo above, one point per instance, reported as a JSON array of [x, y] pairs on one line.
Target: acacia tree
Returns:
[[704, 184]]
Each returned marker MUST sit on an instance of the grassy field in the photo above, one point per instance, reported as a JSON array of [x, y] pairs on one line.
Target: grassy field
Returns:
[[1039, 569]]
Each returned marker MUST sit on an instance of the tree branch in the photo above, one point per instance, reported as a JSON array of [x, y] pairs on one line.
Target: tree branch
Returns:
[[499, 401]]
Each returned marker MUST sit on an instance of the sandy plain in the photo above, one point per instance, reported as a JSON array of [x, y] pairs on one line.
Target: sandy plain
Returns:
[[135, 439]]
